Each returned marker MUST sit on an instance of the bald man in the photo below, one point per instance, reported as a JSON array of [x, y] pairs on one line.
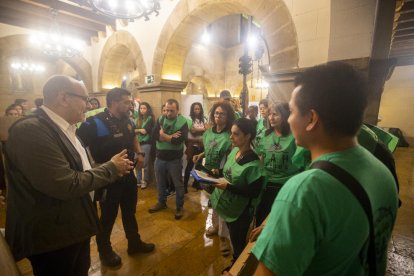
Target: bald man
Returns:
[[50, 214]]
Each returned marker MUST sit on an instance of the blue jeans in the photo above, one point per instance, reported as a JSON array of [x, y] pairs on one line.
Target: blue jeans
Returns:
[[146, 148], [164, 169]]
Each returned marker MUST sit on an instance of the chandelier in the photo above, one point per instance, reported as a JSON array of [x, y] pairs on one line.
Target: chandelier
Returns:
[[55, 42], [25, 66], [127, 9]]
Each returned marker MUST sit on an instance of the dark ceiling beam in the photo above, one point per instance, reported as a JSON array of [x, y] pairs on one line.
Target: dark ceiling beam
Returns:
[[403, 32], [78, 11], [405, 25], [408, 5], [404, 37], [23, 20], [408, 16], [38, 11]]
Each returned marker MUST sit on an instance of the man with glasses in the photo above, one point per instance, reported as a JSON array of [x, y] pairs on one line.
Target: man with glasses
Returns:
[[50, 214], [105, 133], [170, 134]]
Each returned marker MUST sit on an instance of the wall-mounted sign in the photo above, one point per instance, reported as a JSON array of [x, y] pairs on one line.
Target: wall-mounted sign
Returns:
[[149, 79]]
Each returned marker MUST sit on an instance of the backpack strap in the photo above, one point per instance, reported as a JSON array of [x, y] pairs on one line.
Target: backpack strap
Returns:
[[361, 195]]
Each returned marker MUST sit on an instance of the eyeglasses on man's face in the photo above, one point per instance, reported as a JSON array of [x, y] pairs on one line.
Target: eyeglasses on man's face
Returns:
[[84, 98]]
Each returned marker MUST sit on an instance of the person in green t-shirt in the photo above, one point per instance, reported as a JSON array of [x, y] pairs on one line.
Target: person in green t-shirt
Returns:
[[143, 128], [217, 145], [276, 149], [236, 199], [317, 226], [262, 122], [197, 126]]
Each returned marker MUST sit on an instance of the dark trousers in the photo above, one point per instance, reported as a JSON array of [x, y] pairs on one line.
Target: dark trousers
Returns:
[[122, 193], [238, 232], [72, 260], [265, 205]]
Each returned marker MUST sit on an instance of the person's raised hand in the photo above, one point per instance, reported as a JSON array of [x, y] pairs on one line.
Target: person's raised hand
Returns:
[[122, 163]]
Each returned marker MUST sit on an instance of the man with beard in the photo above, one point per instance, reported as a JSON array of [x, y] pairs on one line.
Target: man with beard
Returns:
[[107, 132]]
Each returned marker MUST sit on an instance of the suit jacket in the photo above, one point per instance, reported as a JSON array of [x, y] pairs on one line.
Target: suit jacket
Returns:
[[48, 202]]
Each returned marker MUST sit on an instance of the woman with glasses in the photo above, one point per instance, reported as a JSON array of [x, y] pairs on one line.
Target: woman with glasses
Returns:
[[236, 199], [217, 145], [197, 126], [276, 150], [143, 128]]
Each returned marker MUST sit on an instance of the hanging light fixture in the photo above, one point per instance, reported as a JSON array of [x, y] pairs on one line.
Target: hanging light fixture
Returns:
[[126, 9], [55, 42], [26, 66]]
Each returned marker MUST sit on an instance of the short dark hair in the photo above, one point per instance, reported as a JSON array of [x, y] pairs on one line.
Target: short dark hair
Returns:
[[247, 127], [337, 92], [10, 107], [116, 94], [38, 102], [225, 94], [229, 112], [264, 102], [20, 101], [96, 101], [283, 110], [173, 101]]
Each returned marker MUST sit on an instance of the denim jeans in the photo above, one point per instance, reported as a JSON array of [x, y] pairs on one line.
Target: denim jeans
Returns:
[[172, 169], [146, 148]]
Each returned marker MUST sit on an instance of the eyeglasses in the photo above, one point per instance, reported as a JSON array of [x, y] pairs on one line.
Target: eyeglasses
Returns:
[[220, 114], [84, 98]]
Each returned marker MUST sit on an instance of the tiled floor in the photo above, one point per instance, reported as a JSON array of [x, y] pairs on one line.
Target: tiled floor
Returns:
[[183, 249]]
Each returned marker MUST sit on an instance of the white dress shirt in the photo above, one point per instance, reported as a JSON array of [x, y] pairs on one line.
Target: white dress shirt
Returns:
[[70, 132]]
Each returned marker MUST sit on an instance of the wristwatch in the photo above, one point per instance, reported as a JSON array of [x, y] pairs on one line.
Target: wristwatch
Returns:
[[141, 153]]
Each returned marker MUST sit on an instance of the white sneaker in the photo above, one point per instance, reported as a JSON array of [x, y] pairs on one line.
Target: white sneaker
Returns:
[[143, 184]]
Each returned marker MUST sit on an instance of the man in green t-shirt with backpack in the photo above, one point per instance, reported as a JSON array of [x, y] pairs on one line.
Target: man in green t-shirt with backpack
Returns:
[[334, 220]]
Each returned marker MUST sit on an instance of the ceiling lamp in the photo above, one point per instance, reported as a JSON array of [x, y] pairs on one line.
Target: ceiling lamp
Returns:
[[27, 67], [127, 9], [55, 42]]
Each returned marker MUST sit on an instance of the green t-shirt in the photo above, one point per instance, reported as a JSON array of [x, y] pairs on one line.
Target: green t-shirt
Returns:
[[216, 147], [367, 138], [230, 205], [277, 152], [143, 137], [260, 132], [317, 226], [171, 127]]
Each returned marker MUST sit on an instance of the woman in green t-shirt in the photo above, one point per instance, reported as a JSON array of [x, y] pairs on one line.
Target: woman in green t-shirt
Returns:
[[276, 150], [217, 145], [143, 129], [236, 199], [195, 141]]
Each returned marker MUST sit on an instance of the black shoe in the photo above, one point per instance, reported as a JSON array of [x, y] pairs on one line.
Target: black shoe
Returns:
[[178, 213], [142, 247], [110, 259], [157, 207]]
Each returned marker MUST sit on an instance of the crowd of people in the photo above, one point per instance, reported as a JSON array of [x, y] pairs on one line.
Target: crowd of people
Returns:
[[307, 219]]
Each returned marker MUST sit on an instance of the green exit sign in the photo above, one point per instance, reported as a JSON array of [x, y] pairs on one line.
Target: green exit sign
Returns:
[[149, 79]]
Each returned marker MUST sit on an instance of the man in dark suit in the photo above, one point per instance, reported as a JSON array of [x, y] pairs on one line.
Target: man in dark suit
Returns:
[[50, 214]]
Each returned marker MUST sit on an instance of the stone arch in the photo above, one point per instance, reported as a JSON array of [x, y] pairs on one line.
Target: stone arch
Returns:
[[19, 44], [189, 18], [121, 51]]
